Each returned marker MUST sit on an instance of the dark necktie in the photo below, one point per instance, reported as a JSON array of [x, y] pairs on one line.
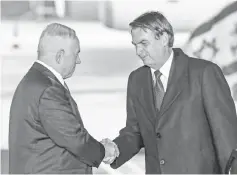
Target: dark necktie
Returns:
[[159, 90]]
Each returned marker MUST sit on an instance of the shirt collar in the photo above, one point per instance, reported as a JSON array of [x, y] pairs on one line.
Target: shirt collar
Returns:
[[165, 69], [57, 75]]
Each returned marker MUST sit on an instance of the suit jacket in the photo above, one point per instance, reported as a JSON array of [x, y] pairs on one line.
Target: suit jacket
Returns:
[[194, 131], [232, 163], [46, 133]]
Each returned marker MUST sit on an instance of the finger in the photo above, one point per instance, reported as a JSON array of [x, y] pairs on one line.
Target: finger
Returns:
[[106, 162], [116, 153], [108, 140], [109, 157], [106, 159], [110, 161], [116, 149], [104, 140]]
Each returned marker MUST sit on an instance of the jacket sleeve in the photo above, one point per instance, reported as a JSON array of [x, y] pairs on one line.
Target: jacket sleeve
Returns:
[[221, 113], [65, 129], [129, 140]]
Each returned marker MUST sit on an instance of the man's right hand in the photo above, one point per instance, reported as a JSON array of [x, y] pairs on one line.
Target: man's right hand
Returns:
[[111, 151]]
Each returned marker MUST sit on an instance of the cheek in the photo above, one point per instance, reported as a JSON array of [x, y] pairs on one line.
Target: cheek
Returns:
[[157, 51], [151, 51], [68, 65], [71, 65]]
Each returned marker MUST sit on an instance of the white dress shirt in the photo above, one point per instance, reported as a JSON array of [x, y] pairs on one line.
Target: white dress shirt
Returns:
[[57, 75], [165, 70]]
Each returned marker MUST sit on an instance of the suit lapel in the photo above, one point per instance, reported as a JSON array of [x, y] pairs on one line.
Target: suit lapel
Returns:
[[54, 79], [178, 79], [146, 99]]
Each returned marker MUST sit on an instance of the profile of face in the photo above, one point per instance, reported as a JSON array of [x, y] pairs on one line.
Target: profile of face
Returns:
[[150, 48], [69, 58]]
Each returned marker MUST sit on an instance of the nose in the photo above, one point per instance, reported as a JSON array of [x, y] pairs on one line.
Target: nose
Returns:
[[78, 61]]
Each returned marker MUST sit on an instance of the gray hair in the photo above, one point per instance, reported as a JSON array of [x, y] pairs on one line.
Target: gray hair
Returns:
[[55, 29], [155, 22]]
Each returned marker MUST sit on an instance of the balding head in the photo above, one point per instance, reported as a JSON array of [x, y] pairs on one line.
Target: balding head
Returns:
[[59, 47]]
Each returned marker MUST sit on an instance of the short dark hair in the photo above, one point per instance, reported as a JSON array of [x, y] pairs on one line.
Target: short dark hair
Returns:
[[155, 22]]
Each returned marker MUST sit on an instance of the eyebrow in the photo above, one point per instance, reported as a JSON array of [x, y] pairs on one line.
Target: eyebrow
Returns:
[[139, 42]]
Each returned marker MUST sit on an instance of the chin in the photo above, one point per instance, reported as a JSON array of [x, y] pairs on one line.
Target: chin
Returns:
[[68, 76], [147, 64]]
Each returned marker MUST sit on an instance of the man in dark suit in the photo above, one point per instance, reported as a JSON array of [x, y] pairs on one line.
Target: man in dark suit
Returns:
[[179, 108], [46, 132]]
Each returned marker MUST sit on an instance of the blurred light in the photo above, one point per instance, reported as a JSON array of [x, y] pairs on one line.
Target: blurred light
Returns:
[[60, 8]]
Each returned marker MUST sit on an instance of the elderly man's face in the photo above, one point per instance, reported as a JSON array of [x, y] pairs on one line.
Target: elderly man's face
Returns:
[[149, 48], [71, 58]]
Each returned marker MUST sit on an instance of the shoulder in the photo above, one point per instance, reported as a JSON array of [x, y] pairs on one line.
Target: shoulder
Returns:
[[201, 65], [35, 83], [139, 71], [36, 80], [194, 64]]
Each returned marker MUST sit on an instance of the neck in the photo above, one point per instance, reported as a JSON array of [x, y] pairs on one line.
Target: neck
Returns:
[[48, 61], [168, 53]]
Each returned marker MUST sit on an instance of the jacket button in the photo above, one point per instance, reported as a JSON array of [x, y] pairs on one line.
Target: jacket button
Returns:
[[158, 135], [162, 162]]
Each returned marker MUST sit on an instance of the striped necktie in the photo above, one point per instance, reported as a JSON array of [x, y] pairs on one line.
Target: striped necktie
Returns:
[[159, 89]]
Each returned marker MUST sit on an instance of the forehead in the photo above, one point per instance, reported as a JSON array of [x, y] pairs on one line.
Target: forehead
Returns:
[[75, 43], [139, 34]]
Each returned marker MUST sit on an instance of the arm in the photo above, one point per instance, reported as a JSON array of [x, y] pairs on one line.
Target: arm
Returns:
[[221, 113], [231, 166], [63, 127], [129, 141]]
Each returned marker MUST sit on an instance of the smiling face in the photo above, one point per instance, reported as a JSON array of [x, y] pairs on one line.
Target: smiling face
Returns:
[[149, 48]]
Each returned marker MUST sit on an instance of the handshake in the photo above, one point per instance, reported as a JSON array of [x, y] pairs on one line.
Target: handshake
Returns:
[[111, 151]]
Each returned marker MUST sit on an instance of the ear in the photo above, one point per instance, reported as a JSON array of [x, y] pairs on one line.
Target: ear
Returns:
[[165, 39], [59, 56]]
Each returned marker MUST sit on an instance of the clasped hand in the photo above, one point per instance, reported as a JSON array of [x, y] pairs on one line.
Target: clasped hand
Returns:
[[111, 151]]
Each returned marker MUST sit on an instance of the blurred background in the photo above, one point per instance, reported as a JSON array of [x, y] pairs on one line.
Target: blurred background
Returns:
[[99, 83]]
